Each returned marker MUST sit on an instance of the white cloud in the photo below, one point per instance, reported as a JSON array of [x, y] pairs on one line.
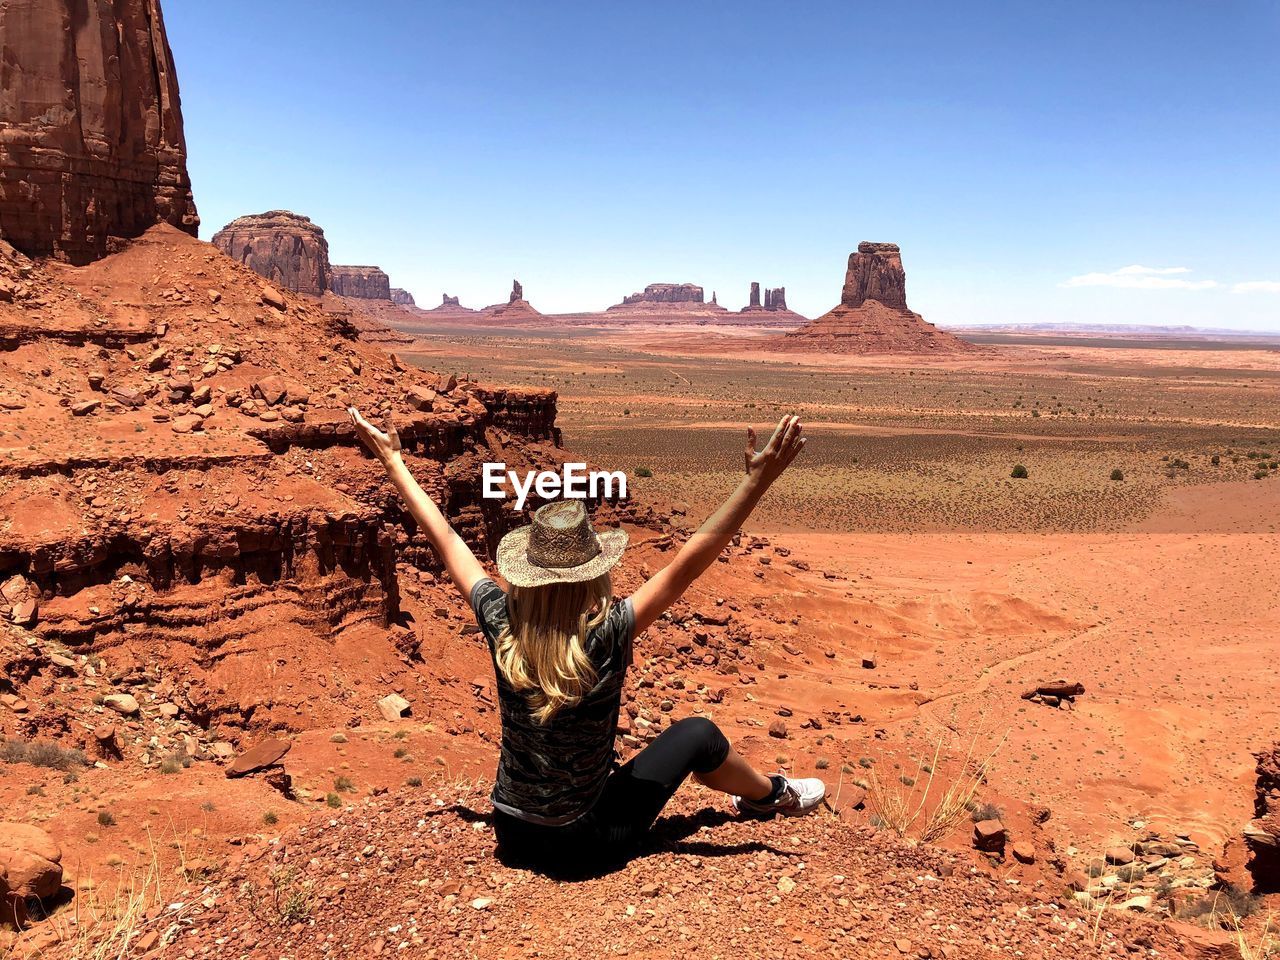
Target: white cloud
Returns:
[[1257, 286], [1138, 277]]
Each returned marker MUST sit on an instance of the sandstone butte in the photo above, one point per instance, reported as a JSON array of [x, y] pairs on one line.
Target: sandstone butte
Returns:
[[402, 297], [773, 310], [517, 311], [92, 148], [282, 246], [363, 283], [873, 316]]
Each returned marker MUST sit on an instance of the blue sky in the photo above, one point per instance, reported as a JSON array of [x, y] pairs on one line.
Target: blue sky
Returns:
[[1026, 156]]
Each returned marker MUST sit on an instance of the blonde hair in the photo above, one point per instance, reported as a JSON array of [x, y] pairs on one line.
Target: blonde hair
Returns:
[[543, 649]]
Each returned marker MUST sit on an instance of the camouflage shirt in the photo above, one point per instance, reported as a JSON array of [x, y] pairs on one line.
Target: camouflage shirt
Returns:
[[553, 774]]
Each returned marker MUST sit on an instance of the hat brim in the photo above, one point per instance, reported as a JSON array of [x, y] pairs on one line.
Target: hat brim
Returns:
[[514, 565]]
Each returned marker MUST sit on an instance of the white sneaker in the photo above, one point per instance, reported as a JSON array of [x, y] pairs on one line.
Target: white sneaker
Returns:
[[798, 797]]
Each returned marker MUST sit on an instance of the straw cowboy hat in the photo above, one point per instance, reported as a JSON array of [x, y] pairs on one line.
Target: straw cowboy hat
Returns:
[[558, 547]]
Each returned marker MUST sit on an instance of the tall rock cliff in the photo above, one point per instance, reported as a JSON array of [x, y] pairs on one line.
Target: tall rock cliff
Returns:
[[283, 246], [875, 273], [91, 141], [402, 297], [363, 283]]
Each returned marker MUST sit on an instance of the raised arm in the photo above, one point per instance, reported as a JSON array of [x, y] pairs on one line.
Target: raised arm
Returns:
[[700, 551], [460, 563]]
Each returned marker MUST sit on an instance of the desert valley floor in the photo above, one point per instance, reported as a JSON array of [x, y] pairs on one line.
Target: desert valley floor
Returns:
[[877, 625]]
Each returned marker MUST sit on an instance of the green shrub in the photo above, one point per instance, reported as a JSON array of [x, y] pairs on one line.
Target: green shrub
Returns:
[[1019, 472], [1117, 474], [106, 818], [643, 472]]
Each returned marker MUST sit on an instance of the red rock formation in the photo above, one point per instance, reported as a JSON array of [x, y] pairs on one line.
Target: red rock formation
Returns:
[[285, 247], [775, 298], [665, 293], [754, 300], [872, 316], [363, 283], [516, 310], [875, 273], [91, 138], [402, 297], [1262, 834]]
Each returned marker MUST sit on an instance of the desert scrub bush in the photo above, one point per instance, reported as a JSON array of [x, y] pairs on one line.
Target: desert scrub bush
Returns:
[[985, 811], [1117, 474], [1019, 472], [42, 753], [333, 800], [106, 818], [270, 818], [1231, 903], [344, 785], [413, 782], [643, 472]]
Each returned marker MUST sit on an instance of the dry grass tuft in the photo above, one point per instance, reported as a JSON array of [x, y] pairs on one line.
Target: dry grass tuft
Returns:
[[930, 805], [125, 920]]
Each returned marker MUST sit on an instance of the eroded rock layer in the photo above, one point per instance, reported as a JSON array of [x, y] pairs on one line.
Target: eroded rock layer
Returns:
[[283, 246], [402, 297], [1262, 835], [363, 283], [91, 140], [185, 497]]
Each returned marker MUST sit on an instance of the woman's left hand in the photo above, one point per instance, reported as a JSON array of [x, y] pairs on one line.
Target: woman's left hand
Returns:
[[384, 446]]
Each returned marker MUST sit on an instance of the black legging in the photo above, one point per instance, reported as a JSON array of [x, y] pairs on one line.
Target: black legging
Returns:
[[633, 796]]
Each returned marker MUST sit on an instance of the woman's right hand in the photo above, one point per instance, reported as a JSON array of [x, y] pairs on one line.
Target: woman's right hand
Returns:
[[783, 447], [384, 446]]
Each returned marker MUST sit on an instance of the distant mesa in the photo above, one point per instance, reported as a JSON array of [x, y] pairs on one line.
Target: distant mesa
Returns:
[[451, 306], [363, 283], [666, 293], [516, 310], [91, 139], [873, 316], [402, 297], [283, 246], [667, 301]]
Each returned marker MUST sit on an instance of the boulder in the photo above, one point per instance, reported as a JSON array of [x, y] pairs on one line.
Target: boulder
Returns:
[[122, 703], [989, 836], [393, 707], [93, 146], [30, 862], [266, 754]]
